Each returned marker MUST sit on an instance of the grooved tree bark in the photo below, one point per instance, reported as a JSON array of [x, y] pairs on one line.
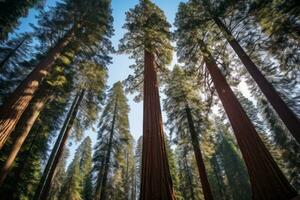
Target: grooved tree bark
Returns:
[[22, 131], [107, 157], [266, 179], [15, 105], [49, 172], [285, 113], [198, 155], [156, 180]]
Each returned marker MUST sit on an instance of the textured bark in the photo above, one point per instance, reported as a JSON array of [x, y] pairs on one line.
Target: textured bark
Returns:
[[11, 53], [266, 179], [108, 153], [17, 102], [56, 154], [156, 183], [285, 113], [198, 155], [22, 131]]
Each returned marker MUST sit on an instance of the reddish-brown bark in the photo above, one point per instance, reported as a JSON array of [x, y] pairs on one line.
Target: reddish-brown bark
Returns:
[[23, 129], [156, 183], [15, 105], [198, 155], [285, 113], [266, 179], [56, 154]]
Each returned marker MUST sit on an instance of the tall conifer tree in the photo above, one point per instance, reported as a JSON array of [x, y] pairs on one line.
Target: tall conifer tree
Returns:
[[262, 169], [148, 42]]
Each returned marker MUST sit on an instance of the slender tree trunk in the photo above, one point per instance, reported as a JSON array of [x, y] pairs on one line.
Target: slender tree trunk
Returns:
[[267, 180], [286, 114], [108, 153], [198, 155], [17, 102], [156, 180], [11, 53], [56, 154], [22, 131]]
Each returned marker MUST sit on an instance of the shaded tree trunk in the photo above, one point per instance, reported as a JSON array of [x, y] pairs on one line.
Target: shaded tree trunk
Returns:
[[267, 180], [156, 180], [108, 153], [11, 53], [22, 131], [17, 102], [198, 155], [286, 114], [56, 154]]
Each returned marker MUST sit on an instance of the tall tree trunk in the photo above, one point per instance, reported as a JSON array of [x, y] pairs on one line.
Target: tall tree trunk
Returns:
[[12, 52], [56, 154], [22, 131], [156, 180], [198, 155], [267, 180], [17, 102], [108, 153], [286, 114]]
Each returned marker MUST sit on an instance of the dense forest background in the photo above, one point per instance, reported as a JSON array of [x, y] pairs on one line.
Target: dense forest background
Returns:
[[194, 99]]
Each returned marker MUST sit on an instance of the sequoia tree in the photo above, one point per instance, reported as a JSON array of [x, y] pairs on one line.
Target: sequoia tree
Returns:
[[267, 180], [205, 12], [80, 24], [148, 41]]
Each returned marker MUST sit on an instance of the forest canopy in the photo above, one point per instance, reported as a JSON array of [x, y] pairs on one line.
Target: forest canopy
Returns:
[[149, 100]]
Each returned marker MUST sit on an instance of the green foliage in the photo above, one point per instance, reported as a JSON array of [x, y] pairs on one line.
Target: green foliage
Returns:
[[60, 177], [147, 30], [181, 91], [113, 124], [173, 171], [15, 55], [10, 13], [282, 141], [190, 186], [78, 173]]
